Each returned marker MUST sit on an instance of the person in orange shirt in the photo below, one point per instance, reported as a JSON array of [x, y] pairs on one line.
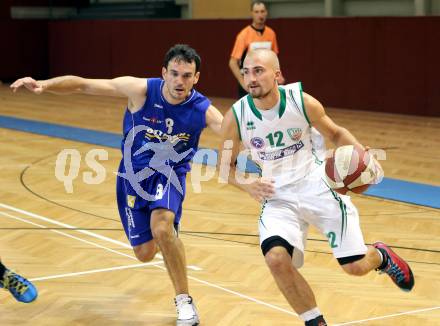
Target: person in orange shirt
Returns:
[[254, 36]]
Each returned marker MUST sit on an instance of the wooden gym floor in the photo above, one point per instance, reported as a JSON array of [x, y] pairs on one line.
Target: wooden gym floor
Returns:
[[72, 244]]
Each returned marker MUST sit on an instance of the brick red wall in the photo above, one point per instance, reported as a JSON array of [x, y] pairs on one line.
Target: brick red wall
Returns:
[[24, 49], [378, 64]]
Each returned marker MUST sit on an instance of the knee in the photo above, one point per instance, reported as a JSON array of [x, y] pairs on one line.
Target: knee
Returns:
[[277, 259], [354, 269], [163, 232], [162, 226], [145, 252]]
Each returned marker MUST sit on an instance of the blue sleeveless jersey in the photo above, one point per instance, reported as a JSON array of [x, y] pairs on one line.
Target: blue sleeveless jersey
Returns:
[[164, 130]]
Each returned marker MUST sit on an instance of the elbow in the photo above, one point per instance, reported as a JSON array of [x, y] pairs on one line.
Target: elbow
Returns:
[[233, 63], [218, 131], [79, 83], [69, 84], [82, 85]]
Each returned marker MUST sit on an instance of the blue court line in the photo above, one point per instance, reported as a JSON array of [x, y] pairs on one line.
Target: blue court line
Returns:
[[398, 190], [107, 139]]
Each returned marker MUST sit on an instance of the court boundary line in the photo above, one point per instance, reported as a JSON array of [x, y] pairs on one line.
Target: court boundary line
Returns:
[[68, 235], [387, 316], [92, 271], [92, 234], [155, 264]]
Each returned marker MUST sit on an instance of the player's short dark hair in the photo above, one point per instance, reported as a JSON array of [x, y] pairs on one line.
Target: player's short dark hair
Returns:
[[183, 52], [257, 2]]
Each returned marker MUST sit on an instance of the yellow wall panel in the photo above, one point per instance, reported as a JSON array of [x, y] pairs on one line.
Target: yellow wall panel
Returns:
[[220, 9]]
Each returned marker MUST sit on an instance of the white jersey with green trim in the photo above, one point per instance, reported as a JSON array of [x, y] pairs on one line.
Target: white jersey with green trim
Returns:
[[283, 144]]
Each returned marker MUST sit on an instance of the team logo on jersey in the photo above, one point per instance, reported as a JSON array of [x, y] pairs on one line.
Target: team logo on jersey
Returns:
[[250, 125], [152, 120], [295, 133], [257, 142], [131, 200]]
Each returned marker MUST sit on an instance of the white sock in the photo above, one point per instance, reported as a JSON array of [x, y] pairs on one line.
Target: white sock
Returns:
[[181, 296], [382, 258], [311, 314]]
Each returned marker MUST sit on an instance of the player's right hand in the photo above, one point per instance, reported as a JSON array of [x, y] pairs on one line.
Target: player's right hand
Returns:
[[261, 189], [28, 82], [379, 173]]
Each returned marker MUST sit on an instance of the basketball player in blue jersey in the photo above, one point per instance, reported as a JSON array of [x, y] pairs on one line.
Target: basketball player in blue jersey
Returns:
[[21, 289], [162, 125], [275, 123]]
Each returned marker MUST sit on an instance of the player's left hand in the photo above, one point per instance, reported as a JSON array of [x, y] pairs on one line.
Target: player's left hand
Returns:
[[28, 82]]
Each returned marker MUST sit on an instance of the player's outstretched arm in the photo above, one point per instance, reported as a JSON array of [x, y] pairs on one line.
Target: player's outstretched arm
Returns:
[[326, 126], [214, 120], [121, 86]]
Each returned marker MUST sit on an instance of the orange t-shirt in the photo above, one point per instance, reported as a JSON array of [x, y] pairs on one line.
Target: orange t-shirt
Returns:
[[250, 39]]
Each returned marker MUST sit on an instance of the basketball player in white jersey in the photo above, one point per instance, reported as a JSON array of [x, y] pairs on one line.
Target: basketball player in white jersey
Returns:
[[275, 124]]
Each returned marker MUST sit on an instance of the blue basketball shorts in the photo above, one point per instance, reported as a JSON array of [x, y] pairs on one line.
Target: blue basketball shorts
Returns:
[[135, 206]]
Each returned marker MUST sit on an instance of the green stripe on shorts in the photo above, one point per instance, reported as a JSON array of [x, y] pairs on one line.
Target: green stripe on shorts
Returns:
[[343, 208]]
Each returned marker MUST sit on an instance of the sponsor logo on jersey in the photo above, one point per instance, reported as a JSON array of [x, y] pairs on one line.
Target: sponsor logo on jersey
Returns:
[[295, 133], [257, 142], [160, 135], [152, 120], [158, 106], [288, 151], [250, 125], [130, 220]]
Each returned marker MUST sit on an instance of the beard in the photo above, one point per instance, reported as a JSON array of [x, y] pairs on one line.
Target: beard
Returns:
[[260, 94]]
